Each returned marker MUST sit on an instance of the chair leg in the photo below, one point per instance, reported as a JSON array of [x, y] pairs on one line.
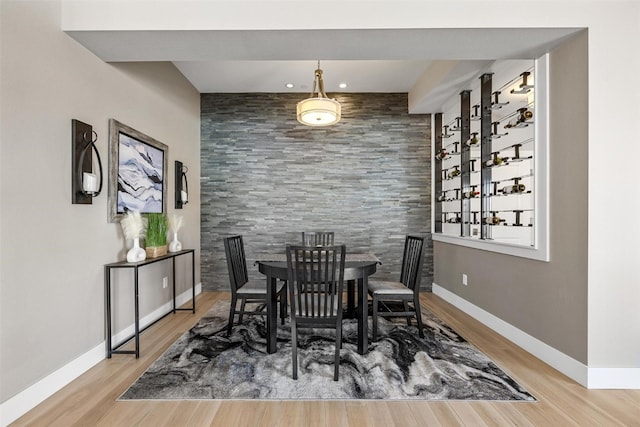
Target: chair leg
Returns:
[[283, 304], [416, 305], [232, 314], [338, 346], [375, 319], [406, 309], [294, 349], [286, 302], [351, 296], [244, 301]]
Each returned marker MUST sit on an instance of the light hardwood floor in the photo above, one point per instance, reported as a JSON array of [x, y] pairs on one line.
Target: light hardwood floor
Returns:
[[90, 400]]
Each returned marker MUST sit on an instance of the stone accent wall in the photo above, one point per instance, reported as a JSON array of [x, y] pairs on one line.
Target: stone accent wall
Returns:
[[268, 178]]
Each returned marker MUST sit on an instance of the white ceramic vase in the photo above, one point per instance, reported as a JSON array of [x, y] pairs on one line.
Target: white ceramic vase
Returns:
[[175, 245], [136, 253]]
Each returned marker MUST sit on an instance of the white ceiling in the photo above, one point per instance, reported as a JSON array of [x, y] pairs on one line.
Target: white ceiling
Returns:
[[368, 60], [271, 76]]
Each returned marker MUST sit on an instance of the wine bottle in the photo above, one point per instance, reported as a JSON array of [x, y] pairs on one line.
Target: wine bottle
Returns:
[[517, 188], [442, 154], [470, 194], [454, 173], [472, 141], [493, 220], [497, 160], [521, 119], [525, 114], [512, 123]]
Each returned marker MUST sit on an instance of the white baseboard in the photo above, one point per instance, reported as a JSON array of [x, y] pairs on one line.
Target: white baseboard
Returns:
[[575, 370], [614, 378], [23, 402], [593, 378]]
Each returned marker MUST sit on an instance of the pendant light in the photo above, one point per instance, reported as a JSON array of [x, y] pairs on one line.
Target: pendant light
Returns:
[[318, 109]]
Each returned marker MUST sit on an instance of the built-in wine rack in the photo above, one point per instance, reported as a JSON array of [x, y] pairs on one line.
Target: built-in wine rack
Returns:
[[484, 167]]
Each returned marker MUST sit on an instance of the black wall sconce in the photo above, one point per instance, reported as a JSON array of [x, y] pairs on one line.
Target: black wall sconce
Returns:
[[84, 183], [182, 186]]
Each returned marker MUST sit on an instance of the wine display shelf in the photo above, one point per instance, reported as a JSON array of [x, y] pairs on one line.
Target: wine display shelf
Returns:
[[484, 160]]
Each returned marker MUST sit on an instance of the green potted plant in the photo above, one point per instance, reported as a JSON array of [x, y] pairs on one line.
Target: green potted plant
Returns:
[[156, 237]]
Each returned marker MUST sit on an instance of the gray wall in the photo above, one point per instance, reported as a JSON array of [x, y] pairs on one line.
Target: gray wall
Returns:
[[545, 300], [52, 251], [267, 177]]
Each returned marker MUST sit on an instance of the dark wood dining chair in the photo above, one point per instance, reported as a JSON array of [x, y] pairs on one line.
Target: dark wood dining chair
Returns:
[[406, 291], [313, 272], [242, 289], [317, 238]]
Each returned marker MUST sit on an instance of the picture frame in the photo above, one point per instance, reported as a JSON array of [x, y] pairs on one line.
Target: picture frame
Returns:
[[138, 166]]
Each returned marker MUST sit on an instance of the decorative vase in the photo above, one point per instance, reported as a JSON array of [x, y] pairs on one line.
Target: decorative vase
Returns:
[[175, 245], [136, 253]]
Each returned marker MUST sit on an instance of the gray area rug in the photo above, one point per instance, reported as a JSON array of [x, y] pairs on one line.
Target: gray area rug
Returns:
[[204, 364]]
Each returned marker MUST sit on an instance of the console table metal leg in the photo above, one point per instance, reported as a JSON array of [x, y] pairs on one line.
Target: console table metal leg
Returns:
[[193, 282], [107, 301], [173, 282], [137, 314]]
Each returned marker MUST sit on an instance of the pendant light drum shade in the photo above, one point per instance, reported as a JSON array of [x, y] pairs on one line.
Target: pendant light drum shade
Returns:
[[318, 111]]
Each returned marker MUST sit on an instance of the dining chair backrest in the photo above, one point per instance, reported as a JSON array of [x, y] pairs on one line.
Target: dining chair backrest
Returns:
[[236, 262], [317, 238], [412, 262], [316, 279]]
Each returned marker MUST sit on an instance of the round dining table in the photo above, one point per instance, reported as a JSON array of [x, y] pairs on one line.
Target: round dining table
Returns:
[[358, 267]]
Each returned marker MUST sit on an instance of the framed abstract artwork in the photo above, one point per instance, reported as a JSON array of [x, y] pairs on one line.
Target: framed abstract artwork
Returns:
[[137, 172]]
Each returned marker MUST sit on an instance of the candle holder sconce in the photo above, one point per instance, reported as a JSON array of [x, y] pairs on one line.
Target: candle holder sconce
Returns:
[[84, 183], [182, 186]]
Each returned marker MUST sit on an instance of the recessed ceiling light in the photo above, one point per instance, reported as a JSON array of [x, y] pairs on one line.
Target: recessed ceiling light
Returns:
[[342, 85], [289, 85]]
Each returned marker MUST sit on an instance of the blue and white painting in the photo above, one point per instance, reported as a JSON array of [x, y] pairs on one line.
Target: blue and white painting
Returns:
[[140, 176]]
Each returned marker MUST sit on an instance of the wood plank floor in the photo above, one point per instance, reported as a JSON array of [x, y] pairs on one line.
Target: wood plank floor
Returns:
[[90, 400]]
